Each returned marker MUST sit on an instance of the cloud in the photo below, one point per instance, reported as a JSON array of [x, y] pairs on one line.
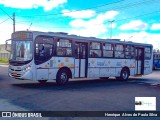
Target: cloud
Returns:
[[29, 4], [94, 27], [155, 27], [94, 31], [141, 37], [108, 15], [79, 14], [134, 25]]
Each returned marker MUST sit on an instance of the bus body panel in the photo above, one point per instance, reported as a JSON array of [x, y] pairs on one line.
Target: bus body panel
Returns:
[[21, 72], [49, 69], [109, 67], [147, 67]]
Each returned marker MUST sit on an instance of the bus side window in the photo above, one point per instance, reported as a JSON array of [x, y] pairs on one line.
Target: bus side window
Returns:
[[95, 49], [107, 50], [119, 51], [64, 47], [147, 53], [77, 51], [68, 51], [93, 53], [129, 51], [61, 51]]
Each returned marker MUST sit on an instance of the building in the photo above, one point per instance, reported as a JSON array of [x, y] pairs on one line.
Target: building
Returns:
[[3, 52]]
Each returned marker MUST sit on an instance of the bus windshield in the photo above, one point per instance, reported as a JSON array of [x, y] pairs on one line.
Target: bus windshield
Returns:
[[21, 50]]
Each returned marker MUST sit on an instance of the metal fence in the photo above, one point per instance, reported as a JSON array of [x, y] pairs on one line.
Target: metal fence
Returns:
[[4, 55]]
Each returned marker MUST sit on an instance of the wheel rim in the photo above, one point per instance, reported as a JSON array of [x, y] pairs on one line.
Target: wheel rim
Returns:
[[125, 75], [63, 77]]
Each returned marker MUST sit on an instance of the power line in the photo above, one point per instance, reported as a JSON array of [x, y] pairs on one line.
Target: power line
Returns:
[[6, 13], [119, 7], [4, 20], [115, 20], [139, 15], [12, 18], [129, 5], [74, 10], [115, 8], [107, 20]]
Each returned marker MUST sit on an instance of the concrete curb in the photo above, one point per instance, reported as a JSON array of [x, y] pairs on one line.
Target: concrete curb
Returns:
[[4, 63]]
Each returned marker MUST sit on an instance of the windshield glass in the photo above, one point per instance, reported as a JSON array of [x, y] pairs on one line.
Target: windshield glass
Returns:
[[21, 50]]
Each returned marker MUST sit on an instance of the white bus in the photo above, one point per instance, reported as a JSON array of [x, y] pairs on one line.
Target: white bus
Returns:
[[42, 56]]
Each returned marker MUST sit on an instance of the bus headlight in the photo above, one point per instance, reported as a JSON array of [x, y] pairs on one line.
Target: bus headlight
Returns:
[[28, 67]]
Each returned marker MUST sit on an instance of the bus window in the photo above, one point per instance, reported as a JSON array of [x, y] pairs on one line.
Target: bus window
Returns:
[[147, 53], [95, 53], [77, 51], [129, 51], [107, 50], [119, 51], [64, 47], [95, 50]]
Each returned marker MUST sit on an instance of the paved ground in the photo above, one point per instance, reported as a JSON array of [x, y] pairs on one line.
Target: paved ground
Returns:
[[79, 95]]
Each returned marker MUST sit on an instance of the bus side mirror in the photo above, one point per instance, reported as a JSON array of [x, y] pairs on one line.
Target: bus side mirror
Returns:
[[8, 45]]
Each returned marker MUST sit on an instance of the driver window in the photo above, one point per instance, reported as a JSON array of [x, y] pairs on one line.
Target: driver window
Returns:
[[43, 49]]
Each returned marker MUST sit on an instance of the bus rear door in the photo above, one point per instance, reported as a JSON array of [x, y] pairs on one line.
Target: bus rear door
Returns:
[[139, 61], [81, 59]]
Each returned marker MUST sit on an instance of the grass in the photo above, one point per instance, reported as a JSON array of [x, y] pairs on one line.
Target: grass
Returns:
[[3, 60]]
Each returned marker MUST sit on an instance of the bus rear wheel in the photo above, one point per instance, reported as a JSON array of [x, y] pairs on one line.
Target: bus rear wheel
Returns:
[[124, 74], [62, 77]]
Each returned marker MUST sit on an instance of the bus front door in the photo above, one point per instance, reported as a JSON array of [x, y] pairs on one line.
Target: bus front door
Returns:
[[139, 61], [81, 59]]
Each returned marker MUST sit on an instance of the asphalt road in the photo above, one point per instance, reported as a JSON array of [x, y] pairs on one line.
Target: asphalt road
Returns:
[[79, 95]]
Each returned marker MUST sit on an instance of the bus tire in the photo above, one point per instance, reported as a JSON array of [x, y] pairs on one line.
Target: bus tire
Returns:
[[62, 77], [42, 81], [124, 74]]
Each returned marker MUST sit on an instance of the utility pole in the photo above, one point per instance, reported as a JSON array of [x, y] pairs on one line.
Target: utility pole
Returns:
[[111, 28], [13, 22]]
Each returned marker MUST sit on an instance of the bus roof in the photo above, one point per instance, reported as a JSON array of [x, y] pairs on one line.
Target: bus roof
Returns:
[[82, 38]]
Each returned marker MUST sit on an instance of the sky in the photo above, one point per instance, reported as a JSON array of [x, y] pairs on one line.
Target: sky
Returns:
[[129, 20]]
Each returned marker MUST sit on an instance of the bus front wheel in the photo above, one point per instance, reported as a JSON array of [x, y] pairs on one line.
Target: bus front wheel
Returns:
[[124, 75], [62, 77]]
